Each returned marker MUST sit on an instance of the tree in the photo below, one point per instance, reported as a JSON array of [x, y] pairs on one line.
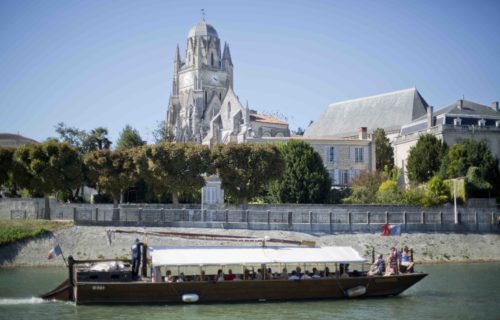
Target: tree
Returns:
[[305, 179], [129, 138], [162, 133], [468, 154], [364, 188], [97, 139], [47, 168], [114, 171], [73, 136], [6, 164], [175, 167], [384, 153], [246, 169], [425, 157]]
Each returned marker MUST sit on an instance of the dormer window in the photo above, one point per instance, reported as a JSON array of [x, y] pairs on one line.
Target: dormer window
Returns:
[[457, 122], [481, 123]]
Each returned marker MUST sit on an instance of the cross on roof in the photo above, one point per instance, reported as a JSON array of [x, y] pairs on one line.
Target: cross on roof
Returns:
[[203, 14]]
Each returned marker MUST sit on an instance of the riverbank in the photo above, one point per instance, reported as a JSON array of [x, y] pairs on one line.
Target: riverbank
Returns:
[[92, 243]]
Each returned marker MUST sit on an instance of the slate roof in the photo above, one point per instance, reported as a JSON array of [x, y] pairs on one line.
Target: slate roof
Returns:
[[202, 29], [389, 111], [469, 108], [266, 119]]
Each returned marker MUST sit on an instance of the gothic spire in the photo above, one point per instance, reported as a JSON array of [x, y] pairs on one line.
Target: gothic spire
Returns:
[[226, 56]]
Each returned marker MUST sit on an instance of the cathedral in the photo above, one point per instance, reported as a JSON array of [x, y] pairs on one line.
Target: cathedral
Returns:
[[203, 107]]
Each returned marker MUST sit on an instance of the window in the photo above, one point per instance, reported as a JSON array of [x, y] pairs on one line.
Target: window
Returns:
[[331, 154], [210, 195], [228, 110], [358, 155], [344, 177], [206, 98], [212, 59]]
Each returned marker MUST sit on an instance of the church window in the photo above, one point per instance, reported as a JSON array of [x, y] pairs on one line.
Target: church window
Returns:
[[212, 59], [220, 96], [206, 98], [228, 110]]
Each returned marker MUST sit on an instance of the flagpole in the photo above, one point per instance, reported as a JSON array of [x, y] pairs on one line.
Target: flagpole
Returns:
[[62, 254]]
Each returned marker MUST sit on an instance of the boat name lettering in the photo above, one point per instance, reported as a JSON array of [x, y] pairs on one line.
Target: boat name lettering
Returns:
[[98, 287]]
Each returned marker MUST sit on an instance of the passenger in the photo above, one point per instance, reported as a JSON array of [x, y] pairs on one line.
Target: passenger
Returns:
[[168, 276], [327, 272], [230, 276], [306, 275], [392, 265], [294, 276], [343, 270], [258, 276], [378, 267], [237, 277], [136, 258], [284, 274], [246, 274], [201, 276], [316, 274], [180, 278], [406, 263], [269, 274], [220, 276], [298, 271]]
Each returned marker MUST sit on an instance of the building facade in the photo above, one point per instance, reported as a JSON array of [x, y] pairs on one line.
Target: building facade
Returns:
[[203, 107]]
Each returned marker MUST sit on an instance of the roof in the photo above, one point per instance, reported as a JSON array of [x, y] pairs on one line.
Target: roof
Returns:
[[266, 118], [218, 256], [388, 111], [468, 108], [13, 136], [202, 29]]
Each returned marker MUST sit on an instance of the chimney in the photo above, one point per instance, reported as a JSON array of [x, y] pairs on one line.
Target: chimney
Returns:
[[460, 104], [362, 133], [430, 120], [494, 106]]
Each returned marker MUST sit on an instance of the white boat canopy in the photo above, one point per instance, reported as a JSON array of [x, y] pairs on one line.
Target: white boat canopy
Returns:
[[219, 256]]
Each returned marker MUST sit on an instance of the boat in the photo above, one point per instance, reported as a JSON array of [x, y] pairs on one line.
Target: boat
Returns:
[[258, 276]]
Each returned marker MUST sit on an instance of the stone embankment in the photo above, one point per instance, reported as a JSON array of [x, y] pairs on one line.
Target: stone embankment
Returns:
[[92, 243]]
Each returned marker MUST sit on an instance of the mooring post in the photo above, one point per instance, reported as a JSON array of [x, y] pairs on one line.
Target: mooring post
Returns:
[[96, 213], [290, 218], [226, 215], [368, 217]]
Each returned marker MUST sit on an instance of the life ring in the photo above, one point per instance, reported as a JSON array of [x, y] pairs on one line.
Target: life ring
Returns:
[[356, 291], [190, 297]]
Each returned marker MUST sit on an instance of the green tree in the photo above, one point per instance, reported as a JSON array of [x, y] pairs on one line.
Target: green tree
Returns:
[[129, 138], [175, 167], [6, 165], [425, 158], [384, 153], [364, 188], [162, 133], [388, 192], [472, 153], [246, 169], [73, 136], [305, 179], [48, 168], [114, 171], [97, 139]]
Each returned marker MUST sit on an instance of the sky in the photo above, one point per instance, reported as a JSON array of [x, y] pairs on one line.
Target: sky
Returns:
[[110, 63]]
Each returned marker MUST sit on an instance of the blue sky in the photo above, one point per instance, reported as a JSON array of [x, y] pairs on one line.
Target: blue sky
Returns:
[[109, 63]]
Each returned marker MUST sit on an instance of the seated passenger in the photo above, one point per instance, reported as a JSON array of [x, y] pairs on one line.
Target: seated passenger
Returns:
[[327, 273], [392, 263], [180, 278], [316, 274], [168, 276], [230, 276], [201, 276], [406, 263], [306, 275], [294, 276], [378, 267], [220, 276], [298, 271], [284, 274]]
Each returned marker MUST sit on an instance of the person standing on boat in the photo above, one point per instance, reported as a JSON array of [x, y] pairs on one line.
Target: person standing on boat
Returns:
[[136, 257]]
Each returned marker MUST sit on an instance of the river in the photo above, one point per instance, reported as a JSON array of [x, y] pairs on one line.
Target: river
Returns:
[[454, 291]]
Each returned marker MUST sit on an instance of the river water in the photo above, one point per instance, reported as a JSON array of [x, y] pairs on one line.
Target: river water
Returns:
[[469, 291]]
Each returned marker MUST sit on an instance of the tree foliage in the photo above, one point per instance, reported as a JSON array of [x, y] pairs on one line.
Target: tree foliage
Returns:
[[364, 188], [425, 158], [305, 179], [162, 133], [245, 169], [84, 142], [175, 168], [384, 153], [6, 165], [469, 154], [129, 138], [113, 171]]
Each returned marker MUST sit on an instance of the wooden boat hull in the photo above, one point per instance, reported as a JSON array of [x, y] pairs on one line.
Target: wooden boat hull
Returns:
[[239, 291]]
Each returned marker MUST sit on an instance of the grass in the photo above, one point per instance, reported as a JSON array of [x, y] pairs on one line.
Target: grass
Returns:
[[15, 230]]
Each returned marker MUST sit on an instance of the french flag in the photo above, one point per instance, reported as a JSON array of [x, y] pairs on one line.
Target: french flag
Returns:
[[54, 252], [391, 229]]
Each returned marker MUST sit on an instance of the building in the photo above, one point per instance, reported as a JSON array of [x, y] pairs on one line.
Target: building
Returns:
[[11, 140], [460, 120], [343, 158], [388, 111], [203, 107]]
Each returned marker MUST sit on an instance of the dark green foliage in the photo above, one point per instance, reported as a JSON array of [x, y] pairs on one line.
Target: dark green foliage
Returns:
[[384, 153], [163, 133], [114, 171], [305, 179], [6, 165], [475, 154], [425, 158], [175, 168], [245, 169], [129, 138]]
